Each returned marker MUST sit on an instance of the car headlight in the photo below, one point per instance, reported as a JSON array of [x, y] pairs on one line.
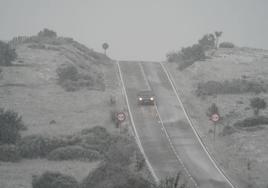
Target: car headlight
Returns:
[[140, 99], [151, 98]]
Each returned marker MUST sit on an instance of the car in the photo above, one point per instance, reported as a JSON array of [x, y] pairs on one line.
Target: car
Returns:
[[146, 97]]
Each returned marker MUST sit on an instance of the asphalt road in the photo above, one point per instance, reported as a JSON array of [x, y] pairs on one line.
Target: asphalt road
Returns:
[[164, 132]]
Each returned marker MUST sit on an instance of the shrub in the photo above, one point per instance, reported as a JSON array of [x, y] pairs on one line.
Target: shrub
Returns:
[[73, 153], [113, 117], [252, 122], [37, 46], [96, 138], [7, 55], [190, 55], [207, 42], [54, 180], [114, 176], [69, 85], [226, 45], [121, 152], [47, 33], [213, 109], [112, 99], [172, 182], [228, 130], [9, 153], [10, 125], [39, 146], [71, 80], [257, 104], [174, 57], [67, 72], [235, 86]]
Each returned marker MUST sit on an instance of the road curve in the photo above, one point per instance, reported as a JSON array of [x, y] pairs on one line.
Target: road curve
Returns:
[[165, 135]]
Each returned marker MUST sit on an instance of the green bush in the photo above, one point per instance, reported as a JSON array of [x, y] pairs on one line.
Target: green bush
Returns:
[[7, 55], [226, 45], [10, 125], [73, 153], [252, 122], [9, 153], [34, 146], [54, 180]]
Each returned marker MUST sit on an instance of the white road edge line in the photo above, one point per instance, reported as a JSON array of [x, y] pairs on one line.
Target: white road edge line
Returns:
[[166, 133], [195, 132], [134, 128]]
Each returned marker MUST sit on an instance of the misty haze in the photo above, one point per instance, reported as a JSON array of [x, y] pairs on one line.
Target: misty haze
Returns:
[[133, 94]]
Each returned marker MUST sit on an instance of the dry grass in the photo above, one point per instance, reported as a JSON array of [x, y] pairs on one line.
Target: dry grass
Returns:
[[30, 88], [19, 175], [241, 146]]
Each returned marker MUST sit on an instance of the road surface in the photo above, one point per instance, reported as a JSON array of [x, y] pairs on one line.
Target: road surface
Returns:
[[166, 136]]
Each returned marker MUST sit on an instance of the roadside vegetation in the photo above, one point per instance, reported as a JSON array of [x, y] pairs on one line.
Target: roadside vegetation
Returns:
[[256, 121], [121, 162], [197, 52], [235, 86], [81, 64], [226, 45], [10, 126], [7, 54]]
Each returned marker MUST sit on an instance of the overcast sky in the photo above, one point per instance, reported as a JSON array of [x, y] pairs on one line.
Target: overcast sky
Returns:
[[138, 29]]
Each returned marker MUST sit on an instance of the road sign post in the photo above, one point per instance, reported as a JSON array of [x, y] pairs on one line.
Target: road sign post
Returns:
[[121, 117], [105, 46], [214, 118]]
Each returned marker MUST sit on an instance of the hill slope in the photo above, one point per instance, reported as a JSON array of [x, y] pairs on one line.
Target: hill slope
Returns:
[[229, 78], [48, 106], [32, 87]]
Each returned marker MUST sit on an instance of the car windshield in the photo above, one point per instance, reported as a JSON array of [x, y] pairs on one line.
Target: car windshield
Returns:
[[145, 93]]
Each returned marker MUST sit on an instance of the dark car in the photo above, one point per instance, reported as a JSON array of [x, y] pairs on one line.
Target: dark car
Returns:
[[146, 97]]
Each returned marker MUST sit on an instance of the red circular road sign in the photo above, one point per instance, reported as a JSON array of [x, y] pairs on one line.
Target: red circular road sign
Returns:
[[215, 117], [121, 116], [105, 46]]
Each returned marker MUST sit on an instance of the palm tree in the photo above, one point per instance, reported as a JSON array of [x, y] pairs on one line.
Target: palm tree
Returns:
[[218, 35]]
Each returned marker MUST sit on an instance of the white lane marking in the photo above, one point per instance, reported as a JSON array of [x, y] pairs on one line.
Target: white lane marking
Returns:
[[134, 127], [174, 150], [194, 130], [144, 76], [165, 131]]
